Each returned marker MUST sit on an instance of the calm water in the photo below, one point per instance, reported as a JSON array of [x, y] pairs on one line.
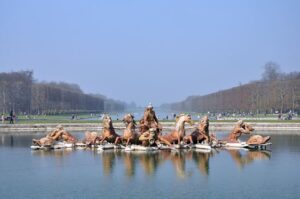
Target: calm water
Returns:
[[115, 174]]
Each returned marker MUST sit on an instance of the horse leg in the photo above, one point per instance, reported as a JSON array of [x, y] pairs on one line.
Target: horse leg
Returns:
[[57, 135], [102, 140], [188, 139], [206, 139], [160, 138], [191, 139], [37, 142], [128, 141], [117, 140]]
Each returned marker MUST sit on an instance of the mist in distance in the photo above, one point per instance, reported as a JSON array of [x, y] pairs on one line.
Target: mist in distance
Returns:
[[149, 51]]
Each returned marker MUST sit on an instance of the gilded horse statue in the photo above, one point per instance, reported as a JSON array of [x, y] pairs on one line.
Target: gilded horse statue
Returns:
[[177, 135], [108, 134], [91, 138], [200, 134], [130, 135]]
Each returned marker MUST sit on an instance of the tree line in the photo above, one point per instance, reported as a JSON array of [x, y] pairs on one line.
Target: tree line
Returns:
[[20, 93], [275, 92]]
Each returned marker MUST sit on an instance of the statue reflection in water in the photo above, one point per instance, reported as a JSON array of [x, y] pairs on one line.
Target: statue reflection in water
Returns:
[[129, 164], [178, 159], [243, 157], [109, 161], [7, 140], [150, 162], [202, 161], [57, 155]]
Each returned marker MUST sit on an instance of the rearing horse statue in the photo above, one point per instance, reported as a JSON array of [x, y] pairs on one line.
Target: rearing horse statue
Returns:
[[130, 135], [178, 134], [200, 134], [108, 133]]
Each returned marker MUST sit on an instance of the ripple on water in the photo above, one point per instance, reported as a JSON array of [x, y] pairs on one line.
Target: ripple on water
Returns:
[[115, 174]]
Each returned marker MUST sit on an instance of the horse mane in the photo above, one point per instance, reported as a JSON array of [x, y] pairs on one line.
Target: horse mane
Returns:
[[106, 123], [178, 116], [204, 124], [133, 122], [178, 119]]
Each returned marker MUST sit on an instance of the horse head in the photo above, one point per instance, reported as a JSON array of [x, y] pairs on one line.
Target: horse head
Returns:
[[184, 118], [248, 127], [107, 122], [245, 126], [204, 122], [129, 119], [181, 120]]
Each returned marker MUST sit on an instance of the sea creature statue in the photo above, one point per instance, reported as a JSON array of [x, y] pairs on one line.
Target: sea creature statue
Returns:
[[152, 137], [200, 134], [91, 138], [240, 128], [245, 128], [45, 141], [59, 134], [149, 137], [177, 135], [258, 139], [108, 133], [149, 120], [130, 135]]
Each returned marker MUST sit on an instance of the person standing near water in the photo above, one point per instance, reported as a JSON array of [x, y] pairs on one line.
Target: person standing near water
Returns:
[[11, 119], [2, 118]]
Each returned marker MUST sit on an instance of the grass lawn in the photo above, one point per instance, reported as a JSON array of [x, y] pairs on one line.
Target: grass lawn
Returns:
[[87, 118], [64, 120]]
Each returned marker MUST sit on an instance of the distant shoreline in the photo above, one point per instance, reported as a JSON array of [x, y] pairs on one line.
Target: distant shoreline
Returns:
[[214, 126]]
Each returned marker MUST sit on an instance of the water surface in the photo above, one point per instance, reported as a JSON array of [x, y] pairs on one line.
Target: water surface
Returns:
[[272, 173]]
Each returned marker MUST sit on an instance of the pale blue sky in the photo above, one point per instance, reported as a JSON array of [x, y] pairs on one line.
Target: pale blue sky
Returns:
[[158, 51]]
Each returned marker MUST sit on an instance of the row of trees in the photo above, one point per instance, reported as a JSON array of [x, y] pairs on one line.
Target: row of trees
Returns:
[[276, 91], [15, 91], [19, 92]]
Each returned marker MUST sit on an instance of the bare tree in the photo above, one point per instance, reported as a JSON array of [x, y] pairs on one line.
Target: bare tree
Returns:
[[278, 91], [19, 92], [272, 71]]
